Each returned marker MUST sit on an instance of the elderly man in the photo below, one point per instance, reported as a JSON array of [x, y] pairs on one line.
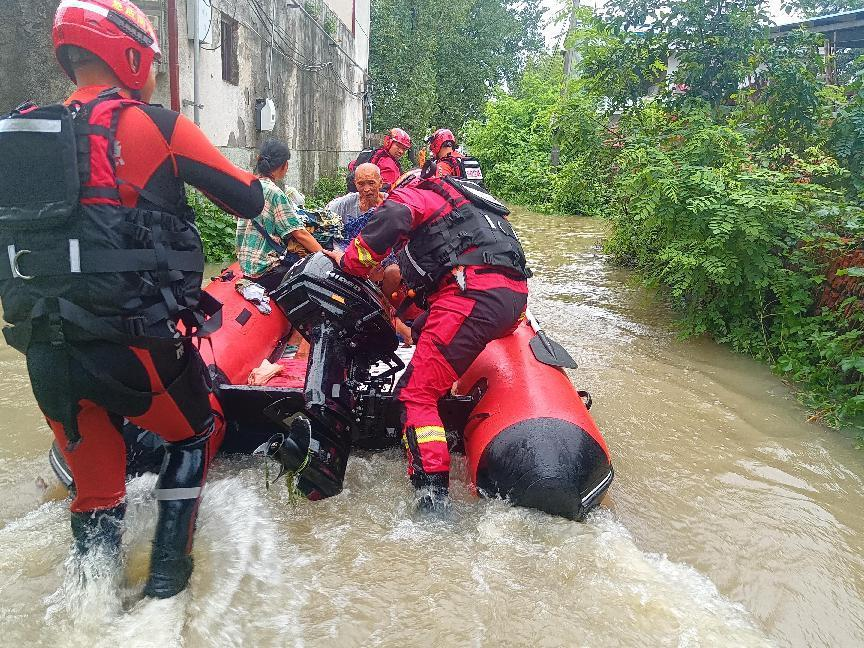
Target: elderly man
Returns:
[[356, 208]]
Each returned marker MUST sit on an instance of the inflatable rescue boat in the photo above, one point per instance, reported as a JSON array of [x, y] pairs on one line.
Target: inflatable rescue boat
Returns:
[[524, 428]]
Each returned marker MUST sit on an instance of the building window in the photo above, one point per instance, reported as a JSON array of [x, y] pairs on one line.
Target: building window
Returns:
[[230, 36]]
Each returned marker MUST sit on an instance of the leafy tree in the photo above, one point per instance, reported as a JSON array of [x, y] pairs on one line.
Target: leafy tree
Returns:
[[514, 137], [789, 96], [731, 201], [616, 63], [434, 64], [712, 40], [811, 8]]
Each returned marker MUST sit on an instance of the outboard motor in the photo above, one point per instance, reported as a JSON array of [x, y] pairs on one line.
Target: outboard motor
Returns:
[[346, 323]]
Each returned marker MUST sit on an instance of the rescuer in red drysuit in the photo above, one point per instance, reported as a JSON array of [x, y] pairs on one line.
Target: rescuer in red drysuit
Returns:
[[86, 380], [445, 162], [476, 294], [386, 158]]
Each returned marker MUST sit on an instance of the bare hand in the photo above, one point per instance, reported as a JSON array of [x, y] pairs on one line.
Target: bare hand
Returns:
[[335, 255], [403, 331]]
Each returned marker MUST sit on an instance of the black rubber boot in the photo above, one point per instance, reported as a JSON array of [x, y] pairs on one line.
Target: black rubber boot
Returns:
[[99, 531], [178, 492], [433, 498]]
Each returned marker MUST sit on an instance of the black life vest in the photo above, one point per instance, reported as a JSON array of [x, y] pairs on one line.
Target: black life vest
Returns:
[[472, 231], [78, 265], [366, 155]]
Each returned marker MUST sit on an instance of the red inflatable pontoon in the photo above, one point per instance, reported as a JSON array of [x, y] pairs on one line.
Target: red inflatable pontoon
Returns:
[[525, 429]]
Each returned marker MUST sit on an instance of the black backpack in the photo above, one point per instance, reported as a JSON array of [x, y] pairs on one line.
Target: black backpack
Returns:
[[365, 156], [75, 253]]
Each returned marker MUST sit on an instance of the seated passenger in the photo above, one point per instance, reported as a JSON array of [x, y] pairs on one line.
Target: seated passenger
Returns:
[[272, 242], [356, 208]]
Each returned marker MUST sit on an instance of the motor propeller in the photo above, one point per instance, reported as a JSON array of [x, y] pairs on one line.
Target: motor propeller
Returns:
[[291, 451]]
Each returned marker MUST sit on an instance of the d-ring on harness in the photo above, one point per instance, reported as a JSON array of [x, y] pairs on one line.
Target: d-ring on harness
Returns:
[[13, 262]]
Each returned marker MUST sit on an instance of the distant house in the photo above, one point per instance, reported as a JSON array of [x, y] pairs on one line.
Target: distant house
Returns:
[[844, 33]]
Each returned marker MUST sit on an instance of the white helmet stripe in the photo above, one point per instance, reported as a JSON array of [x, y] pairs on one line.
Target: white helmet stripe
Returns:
[[86, 6]]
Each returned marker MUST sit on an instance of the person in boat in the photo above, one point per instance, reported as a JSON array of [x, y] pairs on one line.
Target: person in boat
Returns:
[[447, 161], [268, 245], [96, 304], [476, 296], [386, 158], [356, 209]]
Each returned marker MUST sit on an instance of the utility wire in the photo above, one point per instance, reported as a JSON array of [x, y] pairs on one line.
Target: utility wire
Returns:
[[273, 29]]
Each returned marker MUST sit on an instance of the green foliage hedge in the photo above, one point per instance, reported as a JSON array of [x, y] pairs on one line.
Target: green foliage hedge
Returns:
[[327, 188], [741, 248], [734, 221], [218, 229]]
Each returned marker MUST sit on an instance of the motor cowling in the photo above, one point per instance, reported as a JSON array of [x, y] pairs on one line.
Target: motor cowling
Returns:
[[316, 292]]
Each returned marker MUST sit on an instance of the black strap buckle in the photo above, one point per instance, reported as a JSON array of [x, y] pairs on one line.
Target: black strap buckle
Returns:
[[136, 325], [55, 330]]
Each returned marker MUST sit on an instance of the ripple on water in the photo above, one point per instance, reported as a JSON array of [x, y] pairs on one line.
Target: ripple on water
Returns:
[[727, 528]]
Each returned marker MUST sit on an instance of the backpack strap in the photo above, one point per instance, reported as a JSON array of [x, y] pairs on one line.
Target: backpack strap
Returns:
[[280, 249], [96, 125]]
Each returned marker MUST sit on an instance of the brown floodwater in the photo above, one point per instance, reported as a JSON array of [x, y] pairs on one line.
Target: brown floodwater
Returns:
[[734, 522]]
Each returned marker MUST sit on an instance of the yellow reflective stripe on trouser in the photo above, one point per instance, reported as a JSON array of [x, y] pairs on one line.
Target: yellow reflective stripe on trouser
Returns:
[[363, 255], [429, 433]]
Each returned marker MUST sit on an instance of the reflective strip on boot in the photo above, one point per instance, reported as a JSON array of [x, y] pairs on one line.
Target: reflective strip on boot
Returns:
[[178, 493]]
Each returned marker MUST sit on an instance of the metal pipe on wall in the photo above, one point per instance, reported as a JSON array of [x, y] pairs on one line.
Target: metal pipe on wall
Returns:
[[173, 57], [196, 99]]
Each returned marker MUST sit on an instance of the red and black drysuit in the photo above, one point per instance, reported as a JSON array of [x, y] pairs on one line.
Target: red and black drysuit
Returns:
[[450, 165], [389, 166], [469, 307], [161, 386]]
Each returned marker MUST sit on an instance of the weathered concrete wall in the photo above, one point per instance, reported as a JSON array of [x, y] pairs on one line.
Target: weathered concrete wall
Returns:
[[28, 69], [315, 86]]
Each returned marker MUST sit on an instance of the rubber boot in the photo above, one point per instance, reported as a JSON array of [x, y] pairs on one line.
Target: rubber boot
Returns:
[[99, 531], [433, 498], [178, 493]]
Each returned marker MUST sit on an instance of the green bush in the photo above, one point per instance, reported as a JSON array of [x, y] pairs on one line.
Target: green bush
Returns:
[[724, 210], [741, 246], [218, 229], [327, 188]]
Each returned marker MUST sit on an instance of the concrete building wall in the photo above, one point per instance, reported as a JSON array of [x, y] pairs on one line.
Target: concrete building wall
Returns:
[[344, 10], [317, 78], [317, 89], [28, 69]]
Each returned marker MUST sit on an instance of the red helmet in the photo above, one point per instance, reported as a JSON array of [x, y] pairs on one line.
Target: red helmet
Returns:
[[110, 29], [439, 138], [399, 136]]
